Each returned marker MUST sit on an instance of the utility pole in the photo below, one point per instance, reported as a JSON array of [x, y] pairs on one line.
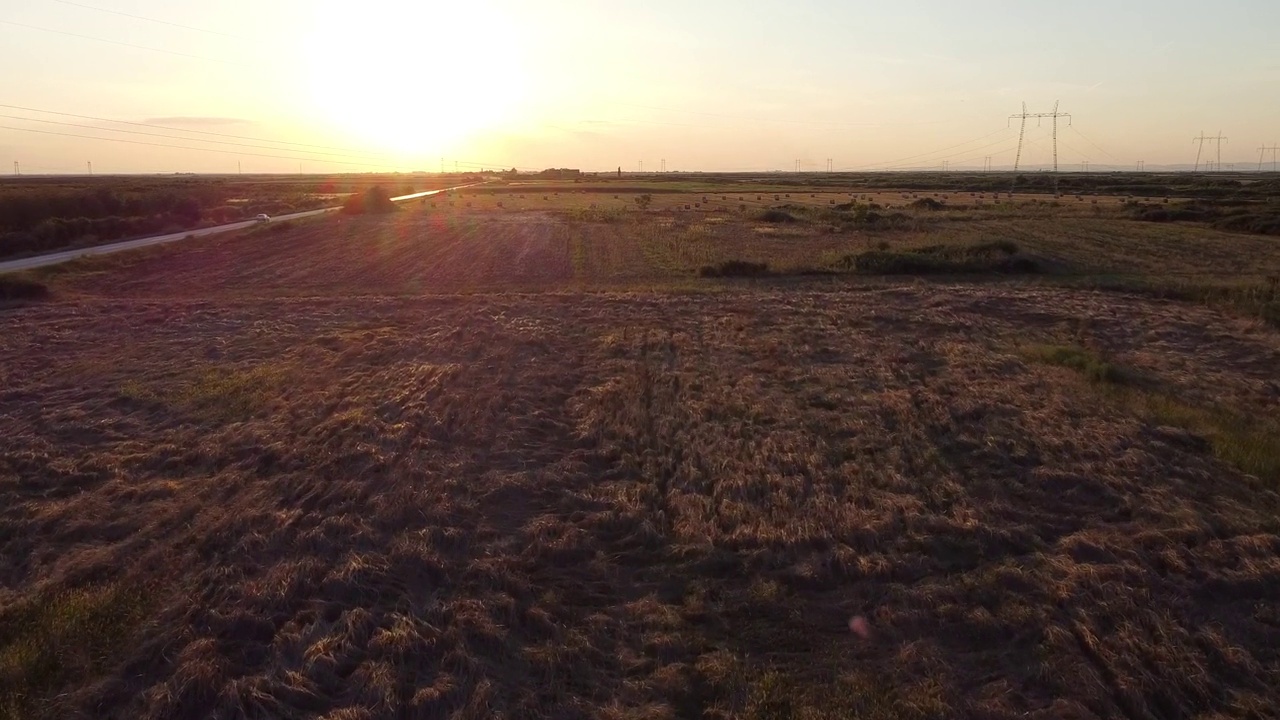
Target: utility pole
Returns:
[[1202, 139], [1023, 132], [664, 164], [1264, 150], [90, 162], [15, 168], [239, 170]]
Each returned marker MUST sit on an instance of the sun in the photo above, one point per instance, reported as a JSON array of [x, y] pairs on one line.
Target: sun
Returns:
[[413, 78]]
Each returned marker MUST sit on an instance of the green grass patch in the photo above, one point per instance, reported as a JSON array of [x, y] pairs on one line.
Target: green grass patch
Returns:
[[223, 394], [1082, 360], [74, 635], [1246, 441], [229, 394], [596, 215], [1257, 298], [1243, 440]]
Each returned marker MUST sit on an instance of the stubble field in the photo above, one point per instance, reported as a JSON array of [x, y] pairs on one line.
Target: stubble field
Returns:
[[467, 243], [466, 463]]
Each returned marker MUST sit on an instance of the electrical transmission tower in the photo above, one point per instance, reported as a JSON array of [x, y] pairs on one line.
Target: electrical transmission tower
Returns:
[[1264, 150], [1022, 133], [1202, 139], [15, 168]]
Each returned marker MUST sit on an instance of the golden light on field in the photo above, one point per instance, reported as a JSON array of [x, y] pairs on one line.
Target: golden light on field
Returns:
[[413, 77]]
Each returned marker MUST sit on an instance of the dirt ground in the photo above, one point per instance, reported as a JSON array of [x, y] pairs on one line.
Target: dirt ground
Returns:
[[267, 495]]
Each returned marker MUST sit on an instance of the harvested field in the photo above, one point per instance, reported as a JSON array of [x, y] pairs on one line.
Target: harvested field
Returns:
[[625, 505], [441, 251]]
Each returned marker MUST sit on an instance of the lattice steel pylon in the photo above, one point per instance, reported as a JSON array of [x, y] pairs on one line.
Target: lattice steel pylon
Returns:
[[1022, 133], [1219, 138], [1264, 150]]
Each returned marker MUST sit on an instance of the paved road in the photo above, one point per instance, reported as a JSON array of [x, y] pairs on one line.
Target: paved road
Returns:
[[65, 255]]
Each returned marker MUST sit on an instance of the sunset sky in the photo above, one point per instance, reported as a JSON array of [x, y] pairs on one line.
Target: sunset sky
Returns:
[[706, 85]]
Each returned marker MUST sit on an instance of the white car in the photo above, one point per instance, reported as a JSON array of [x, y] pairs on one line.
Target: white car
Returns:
[[262, 217]]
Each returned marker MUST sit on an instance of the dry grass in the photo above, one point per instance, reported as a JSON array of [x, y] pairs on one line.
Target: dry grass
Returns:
[[646, 505]]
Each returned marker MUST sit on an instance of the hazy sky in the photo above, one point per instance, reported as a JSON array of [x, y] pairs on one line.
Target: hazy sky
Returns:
[[705, 84]]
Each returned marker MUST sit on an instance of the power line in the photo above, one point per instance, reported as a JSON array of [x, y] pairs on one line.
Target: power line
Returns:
[[193, 132], [117, 42], [899, 166], [171, 137], [1095, 145], [898, 162], [741, 118], [140, 17], [187, 147]]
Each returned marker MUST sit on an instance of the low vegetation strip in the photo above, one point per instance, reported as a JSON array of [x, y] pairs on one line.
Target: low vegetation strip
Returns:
[[1000, 257], [20, 287]]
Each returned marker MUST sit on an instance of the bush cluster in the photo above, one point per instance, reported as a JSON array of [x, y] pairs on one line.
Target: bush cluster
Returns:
[[372, 201], [734, 268], [1000, 256]]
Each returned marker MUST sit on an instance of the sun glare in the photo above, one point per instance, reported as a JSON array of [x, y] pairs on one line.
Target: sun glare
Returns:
[[413, 78]]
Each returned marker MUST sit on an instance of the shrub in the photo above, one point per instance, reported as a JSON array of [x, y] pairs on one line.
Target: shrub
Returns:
[[373, 200], [17, 287], [1260, 223], [734, 268], [774, 215], [878, 221]]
